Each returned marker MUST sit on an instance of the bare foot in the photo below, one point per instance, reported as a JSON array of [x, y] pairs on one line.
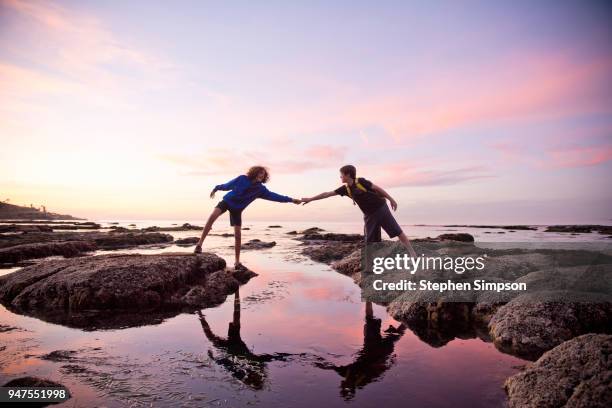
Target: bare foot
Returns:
[[198, 249]]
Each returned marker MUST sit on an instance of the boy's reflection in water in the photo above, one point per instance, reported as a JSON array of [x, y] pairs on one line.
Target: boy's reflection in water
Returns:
[[374, 358], [235, 355]]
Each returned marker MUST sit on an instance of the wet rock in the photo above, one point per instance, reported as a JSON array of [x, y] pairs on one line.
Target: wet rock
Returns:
[[508, 227], [242, 274], [103, 240], [275, 226], [25, 228], [328, 253], [129, 282], [245, 228], [312, 230], [258, 244], [224, 235], [576, 373], [187, 241], [185, 227], [583, 229], [458, 236], [213, 291], [330, 236], [59, 355], [15, 254], [350, 265], [32, 382], [533, 323], [292, 233]]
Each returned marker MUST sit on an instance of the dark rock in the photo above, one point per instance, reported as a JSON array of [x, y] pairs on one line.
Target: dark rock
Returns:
[[184, 227], [102, 240], [32, 382], [25, 228], [187, 241], [459, 236], [330, 236], [583, 229], [576, 373], [258, 244], [312, 230], [245, 228], [330, 252], [508, 227], [15, 254], [292, 233], [242, 274], [117, 283], [275, 226], [533, 323]]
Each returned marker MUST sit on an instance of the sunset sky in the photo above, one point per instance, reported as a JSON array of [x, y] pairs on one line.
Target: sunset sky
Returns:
[[466, 112]]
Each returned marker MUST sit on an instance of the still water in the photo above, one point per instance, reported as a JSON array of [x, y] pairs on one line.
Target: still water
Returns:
[[296, 335]]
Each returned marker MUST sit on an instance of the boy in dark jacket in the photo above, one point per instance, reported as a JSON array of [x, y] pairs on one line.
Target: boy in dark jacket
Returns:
[[243, 190], [371, 199]]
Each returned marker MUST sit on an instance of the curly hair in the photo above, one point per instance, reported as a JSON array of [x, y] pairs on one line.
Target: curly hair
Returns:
[[255, 170]]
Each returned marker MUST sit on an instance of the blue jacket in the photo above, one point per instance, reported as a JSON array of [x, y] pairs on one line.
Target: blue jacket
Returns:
[[243, 192]]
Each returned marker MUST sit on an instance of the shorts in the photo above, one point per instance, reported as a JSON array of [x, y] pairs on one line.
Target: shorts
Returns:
[[235, 214], [381, 218]]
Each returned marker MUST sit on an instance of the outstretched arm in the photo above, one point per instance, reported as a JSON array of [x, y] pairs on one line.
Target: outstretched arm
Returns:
[[224, 187], [321, 196], [271, 196], [383, 193]]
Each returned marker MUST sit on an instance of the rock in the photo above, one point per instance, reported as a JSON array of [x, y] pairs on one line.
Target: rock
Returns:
[[312, 230], [15, 254], [258, 244], [185, 227], [350, 265], [102, 240], [245, 228], [32, 382], [242, 274], [576, 373], [292, 233], [187, 241], [25, 228], [329, 252], [275, 226], [508, 227], [583, 229], [224, 235], [330, 236], [459, 236], [533, 323], [129, 282]]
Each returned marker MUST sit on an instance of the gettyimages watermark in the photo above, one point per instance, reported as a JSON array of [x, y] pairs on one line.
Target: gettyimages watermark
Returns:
[[492, 272]]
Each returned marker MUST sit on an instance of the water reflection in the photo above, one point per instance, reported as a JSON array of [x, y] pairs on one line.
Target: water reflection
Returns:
[[235, 356], [372, 360]]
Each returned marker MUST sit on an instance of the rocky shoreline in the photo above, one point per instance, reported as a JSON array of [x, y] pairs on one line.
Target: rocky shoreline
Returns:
[[104, 288], [534, 326]]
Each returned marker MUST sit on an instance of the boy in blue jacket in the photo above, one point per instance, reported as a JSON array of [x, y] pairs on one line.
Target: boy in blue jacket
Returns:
[[243, 190]]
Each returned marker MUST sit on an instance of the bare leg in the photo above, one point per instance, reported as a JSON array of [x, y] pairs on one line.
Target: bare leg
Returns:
[[404, 239], [237, 242], [369, 313], [211, 220]]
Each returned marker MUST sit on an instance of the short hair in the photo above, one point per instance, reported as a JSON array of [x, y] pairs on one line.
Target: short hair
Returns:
[[255, 170], [350, 170]]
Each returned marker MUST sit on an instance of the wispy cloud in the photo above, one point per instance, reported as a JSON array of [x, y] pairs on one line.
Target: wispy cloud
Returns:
[[411, 175], [283, 158]]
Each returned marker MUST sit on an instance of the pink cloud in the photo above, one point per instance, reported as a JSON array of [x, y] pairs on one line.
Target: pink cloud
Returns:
[[521, 87], [285, 158], [579, 156], [403, 175]]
